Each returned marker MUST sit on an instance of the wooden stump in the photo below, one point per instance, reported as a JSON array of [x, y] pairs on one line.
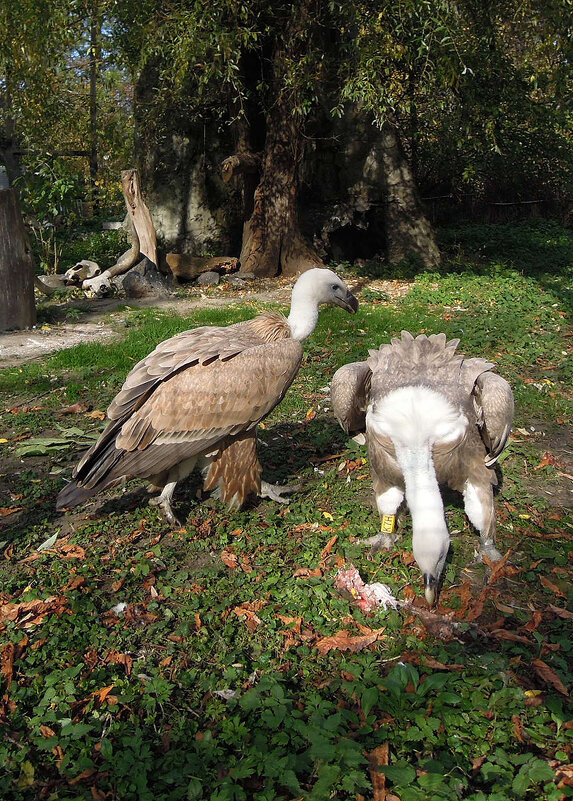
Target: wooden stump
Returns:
[[17, 305]]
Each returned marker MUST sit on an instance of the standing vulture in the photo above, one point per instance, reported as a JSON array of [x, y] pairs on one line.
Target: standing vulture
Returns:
[[198, 397], [431, 416]]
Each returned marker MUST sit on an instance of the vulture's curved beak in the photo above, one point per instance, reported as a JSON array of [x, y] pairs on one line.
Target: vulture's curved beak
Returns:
[[430, 589], [349, 302]]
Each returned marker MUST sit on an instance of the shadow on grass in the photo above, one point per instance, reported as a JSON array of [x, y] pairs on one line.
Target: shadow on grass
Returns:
[[542, 250]]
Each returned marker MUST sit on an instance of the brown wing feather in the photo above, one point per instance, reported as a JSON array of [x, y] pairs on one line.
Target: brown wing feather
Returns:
[[193, 411], [235, 471], [215, 400], [349, 395], [197, 346], [494, 406]]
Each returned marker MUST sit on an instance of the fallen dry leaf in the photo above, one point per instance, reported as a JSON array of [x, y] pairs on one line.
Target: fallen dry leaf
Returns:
[[252, 620], [85, 774], [96, 415], [116, 658], [9, 510], [102, 694], [344, 641], [518, 728], [500, 569], [438, 625], [31, 613], [328, 547], [547, 460], [25, 409], [294, 622], [229, 558], [245, 562], [74, 583], [509, 636], [425, 660], [549, 676], [306, 572], [76, 408], [549, 585], [377, 759], [478, 762], [566, 614], [533, 624], [7, 662], [69, 551], [563, 774]]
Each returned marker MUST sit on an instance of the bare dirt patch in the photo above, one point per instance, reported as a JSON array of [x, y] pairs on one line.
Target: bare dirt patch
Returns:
[[96, 319]]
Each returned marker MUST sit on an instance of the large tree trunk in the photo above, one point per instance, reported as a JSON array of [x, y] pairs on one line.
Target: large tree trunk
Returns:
[[408, 230], [17, 306], [272, 242]]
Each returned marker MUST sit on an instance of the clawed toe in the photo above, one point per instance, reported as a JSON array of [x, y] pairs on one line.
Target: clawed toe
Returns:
[[380, 542], [490, 552], [167, 511], [275, 492]]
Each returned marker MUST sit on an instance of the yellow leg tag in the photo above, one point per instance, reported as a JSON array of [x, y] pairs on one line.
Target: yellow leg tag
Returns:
[[387, 524]]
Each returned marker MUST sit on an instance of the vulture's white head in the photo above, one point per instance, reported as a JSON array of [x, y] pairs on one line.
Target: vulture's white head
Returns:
[[313, 288], [430, 546]]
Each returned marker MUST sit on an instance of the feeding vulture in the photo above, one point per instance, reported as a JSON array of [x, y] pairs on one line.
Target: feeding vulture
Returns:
[[198, 397], [431, 416]]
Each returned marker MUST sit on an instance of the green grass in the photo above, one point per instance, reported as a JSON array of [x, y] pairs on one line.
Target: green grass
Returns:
[[209, 684]]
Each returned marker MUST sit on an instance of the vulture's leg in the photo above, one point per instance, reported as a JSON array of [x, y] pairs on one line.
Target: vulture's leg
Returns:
[[478, 503], [164, 501], [388, 502], [275, 492]]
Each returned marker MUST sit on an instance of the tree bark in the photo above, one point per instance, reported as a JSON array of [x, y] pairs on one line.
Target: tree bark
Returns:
[[17, 305], [408, 230], [240, 164], [272, 241]]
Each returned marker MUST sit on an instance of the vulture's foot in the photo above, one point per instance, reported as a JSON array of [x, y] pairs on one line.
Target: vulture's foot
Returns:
[[275, 492], [490, 551], [167, 510], [164, 502], [380, 542]]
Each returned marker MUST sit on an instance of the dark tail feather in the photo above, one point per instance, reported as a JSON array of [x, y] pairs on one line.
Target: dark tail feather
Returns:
[[72, 495]]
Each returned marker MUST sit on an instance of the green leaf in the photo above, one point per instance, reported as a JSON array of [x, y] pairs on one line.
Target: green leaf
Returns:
[[369, 699], [402, 774], [430, 781]]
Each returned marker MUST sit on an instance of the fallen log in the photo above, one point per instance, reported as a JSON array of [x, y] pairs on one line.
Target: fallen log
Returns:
[[187, 268]]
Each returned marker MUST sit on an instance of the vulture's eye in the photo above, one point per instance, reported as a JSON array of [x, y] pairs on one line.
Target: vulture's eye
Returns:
[[335, 287]]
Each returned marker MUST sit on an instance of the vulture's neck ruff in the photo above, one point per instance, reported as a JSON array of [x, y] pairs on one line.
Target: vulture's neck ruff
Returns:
[[416, 419]]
